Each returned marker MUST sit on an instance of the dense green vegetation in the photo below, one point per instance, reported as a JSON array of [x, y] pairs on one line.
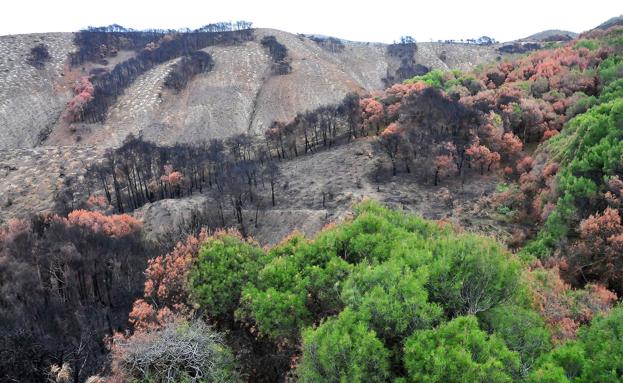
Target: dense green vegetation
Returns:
[[391, 296]]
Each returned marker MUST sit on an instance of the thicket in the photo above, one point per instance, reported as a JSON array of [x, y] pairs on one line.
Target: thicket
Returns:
[[386, 296]]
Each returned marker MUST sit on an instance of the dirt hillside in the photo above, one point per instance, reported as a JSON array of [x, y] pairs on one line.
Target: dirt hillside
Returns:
[[239, 95]]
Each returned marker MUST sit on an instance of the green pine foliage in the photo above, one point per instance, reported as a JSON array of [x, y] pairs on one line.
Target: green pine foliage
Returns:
[[343, 349], [224, 265], [389, 296], [459, 351]]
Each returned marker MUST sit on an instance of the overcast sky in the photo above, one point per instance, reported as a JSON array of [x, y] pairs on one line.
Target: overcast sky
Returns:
[[363, 20]]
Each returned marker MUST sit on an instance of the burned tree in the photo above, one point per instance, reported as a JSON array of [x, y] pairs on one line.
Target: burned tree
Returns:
[[279, 54], [188, 67], [38, 56]]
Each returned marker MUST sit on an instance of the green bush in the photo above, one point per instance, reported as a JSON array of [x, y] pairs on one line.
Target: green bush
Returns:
[[459, 351], [603, 346], [523, 331], [343, 349], [434, 78], [596, 356], [224, 265], [391, 298], [471, 274], [591, 45]]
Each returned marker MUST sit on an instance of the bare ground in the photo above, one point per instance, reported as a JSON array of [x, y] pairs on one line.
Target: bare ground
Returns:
[[345, 176]]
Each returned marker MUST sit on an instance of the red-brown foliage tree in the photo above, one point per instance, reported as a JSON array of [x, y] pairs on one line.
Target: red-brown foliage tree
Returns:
[[165, 284], [390, 140], [482, 157], [562, 307], [116, 225], [598, 255], [83, 93], [372, 115]]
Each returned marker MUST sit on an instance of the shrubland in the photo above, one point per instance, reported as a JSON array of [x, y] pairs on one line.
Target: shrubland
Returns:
[[384, 296]]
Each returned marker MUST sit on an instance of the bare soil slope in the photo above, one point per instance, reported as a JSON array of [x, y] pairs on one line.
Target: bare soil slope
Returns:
[[31, 99], [239, 95]]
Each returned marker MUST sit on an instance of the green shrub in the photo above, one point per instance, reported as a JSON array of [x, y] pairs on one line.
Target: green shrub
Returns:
[[434, 78], [458, 351], [391, 298], [343, 349], [591, 45], [224, 265], [602, 342], [596, 356]]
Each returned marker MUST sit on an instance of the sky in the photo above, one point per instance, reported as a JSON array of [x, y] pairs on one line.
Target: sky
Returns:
[[363, 20]]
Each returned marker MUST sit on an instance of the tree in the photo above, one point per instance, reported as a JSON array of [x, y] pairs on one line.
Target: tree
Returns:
[[444, 161], [83, 91], [390, 140], [371, 115], [280, 306], [166, 288], [392, 299], [523, 331], [343, 349], [597, 256], [481, 156], [471, 275], [458, 351], [273, 174], [225, 264]]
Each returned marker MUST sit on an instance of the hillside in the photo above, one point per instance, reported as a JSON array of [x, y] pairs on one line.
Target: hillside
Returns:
[[551, 35], [239, 95], [247, 205], [617, 20]]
